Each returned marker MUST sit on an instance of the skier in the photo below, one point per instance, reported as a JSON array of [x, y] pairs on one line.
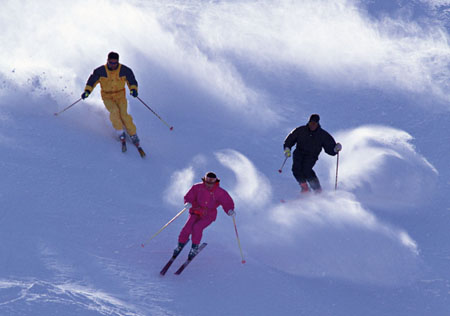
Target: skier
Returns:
[[309, 140], [112, 78], [202, 201]]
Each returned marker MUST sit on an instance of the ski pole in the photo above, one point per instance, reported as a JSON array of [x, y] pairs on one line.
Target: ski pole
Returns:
[[57, 113], [239, 242], [337, 167], [162, 228], [280, 170], [170, 127]]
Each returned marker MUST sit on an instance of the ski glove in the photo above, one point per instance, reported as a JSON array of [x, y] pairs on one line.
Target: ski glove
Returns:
[[187, 205], [85, 94], [231, 213], [337, 148], [134, 92], [287, 152]]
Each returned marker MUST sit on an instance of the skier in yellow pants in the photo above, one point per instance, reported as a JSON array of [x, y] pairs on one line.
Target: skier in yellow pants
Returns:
[[112, 78]]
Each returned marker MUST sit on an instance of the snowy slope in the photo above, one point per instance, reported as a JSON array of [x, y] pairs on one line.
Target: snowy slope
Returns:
[[75, 210]]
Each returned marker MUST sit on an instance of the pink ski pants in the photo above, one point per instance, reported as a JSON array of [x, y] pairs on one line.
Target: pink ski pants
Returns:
[[194, 226]]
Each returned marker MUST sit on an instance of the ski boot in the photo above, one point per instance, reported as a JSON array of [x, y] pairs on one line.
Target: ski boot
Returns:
[[123, 140], [304, 186], [135, 140], [193, 252], [177, 250]]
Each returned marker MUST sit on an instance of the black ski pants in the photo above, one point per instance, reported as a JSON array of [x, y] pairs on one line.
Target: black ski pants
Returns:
[[303, 172]]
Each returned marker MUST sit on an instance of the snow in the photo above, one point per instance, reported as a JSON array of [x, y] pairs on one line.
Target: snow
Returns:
[[75, 209]]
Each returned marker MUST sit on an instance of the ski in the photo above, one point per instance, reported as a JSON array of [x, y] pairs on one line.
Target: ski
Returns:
[[167, 266], [169, 263], [186, 263], [124, 146], [141, 151]]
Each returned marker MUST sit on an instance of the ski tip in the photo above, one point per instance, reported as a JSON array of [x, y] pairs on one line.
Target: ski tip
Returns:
[[142, 245], [171, 128], [55, 114], [243, 261]]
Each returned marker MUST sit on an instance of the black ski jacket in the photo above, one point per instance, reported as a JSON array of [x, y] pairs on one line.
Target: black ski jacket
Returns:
[[310, 143]]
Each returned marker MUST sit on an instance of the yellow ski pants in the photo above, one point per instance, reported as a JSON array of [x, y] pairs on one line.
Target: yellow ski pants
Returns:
[[117, 105]]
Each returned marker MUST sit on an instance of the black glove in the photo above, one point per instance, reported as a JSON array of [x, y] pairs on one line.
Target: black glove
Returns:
[[134, 92], [85, 94]]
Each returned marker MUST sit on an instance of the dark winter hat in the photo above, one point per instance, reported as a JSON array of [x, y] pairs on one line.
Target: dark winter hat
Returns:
[[113, 55], [314, 118]]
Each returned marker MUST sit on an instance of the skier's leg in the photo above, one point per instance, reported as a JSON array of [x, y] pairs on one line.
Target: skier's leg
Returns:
[[311, 176], [114, 114], [187, 229], [297, 166], [126, 118], [197, 233], [198, 227], [297, 170]]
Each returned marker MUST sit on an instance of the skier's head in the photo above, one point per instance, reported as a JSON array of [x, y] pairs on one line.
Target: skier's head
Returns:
[[314, 118], [210, 178], [313, 121], [113, 60], [113, 55]]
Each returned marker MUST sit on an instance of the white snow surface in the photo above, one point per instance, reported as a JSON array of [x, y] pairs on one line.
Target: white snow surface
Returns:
[[233, 78]]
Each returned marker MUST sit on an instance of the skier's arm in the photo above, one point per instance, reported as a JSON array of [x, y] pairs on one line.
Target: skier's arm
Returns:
[[94, 79], [130, 78], [227, 202], [291, 139], [329, 144], [190, 196]]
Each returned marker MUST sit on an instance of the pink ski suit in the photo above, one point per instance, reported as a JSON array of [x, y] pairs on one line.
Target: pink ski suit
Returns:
[[203, 212]]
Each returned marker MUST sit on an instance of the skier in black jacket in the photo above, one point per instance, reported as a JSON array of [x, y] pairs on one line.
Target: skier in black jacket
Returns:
[[310, 139]]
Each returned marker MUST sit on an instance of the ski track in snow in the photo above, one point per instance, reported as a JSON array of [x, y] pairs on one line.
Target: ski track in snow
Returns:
[[17, 297]]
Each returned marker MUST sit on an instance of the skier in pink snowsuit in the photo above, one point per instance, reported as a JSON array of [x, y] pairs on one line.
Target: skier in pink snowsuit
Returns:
[[202, 200]]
